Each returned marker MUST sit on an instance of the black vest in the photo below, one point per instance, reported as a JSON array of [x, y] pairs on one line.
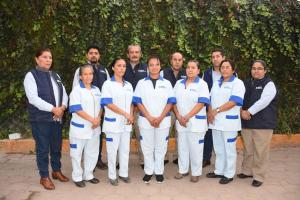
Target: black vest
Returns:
[[266, 118], [169, 75], [45, 92], [100, 76], [134, 75]]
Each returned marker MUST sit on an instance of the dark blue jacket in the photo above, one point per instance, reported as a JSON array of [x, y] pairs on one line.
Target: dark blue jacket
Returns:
[[169, 75], [134, 75]]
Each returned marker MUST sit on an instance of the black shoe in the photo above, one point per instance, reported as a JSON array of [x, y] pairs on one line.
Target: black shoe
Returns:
[[125, 179], [159, 178], [142, 166], [213, 175], [225, 180], [93, 180], [256, 183], [241, 175], [101, 165], [175, 161], [80, 184], [147, 178], [205, 163], [118, 166], [166, 162]]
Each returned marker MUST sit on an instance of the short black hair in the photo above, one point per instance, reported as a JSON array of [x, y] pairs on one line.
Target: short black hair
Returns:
[[230, 62], [195, 61], [218, 50], [153, 57], [93, 46]]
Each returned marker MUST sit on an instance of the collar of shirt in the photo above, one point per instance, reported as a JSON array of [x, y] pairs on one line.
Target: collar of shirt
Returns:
[[148, 78], [82, 85], [196, 80], [221, 80]]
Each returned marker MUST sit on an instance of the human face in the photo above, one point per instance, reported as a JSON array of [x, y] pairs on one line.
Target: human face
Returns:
[[93, 56], [44, 60], [226, 70], [119, 68], [134, 54], [217, 58], [258, 71], [154, 67], [87, 75], [177, 61], [192, 71]]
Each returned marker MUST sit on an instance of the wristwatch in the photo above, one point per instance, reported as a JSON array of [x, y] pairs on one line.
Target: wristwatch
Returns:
[[218, 110]]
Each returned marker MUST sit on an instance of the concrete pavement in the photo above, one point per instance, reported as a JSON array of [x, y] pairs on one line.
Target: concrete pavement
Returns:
[[19, 180]]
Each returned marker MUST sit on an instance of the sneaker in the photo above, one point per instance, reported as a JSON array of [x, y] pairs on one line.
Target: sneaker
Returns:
[[147, 178], [114, 182], [225, 180], [213, 175], [159, 178], [125, 179], [180, 176]]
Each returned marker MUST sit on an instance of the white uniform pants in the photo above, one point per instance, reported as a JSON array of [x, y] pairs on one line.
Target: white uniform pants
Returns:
[[190, 149], [117, 142], [154, 143], [225, 149], [90, 150]]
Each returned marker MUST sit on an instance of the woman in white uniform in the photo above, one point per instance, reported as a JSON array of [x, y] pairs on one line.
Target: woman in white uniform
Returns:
[[84, 127], [224, 119], [192, 95], [117, 98], [154, 97]]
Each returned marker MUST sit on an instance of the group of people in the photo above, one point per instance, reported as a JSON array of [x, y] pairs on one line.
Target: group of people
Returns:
[[207, 112]]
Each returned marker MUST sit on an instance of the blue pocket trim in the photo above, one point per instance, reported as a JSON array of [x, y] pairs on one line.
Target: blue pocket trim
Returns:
[[171, 100], [110, 119], [136, 100], [201, 141], [168, 114], [232, 116], [77, 125], [231, 139], [108, 139], [73, 146], [200, 116], [167, 138], [141, 137]]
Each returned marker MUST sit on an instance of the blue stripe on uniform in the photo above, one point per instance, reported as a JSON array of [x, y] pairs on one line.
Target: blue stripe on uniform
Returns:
[[77, 125], [73, 146], [200, 116], [231, 139], [108, 139], [136, 100], [110, 119], [232, 116], [201, 141], [204, 100], [75, 108], [238, 100], [105, 101]]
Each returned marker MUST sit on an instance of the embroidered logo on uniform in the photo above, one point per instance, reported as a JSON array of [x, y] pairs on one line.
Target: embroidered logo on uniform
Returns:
[[227, 87], [162, 86], [183, 76], [102, 71], [58, 81], [259, 88], [141, 70], [97, 95], [194, 90]]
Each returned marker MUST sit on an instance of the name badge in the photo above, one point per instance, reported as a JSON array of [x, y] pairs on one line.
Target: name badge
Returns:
[[141, 70], [162, 86], [259, 88], [227, 87], [193, 90], [183, 77], [104, 72]]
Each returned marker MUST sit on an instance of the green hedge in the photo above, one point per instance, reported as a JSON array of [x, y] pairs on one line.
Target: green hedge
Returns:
[[246, 29]]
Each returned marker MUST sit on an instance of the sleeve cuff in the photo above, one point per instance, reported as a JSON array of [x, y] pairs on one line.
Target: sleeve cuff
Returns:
[[204, 100], [105, 101], [171, 100], [238, 100], [75, 108], [136, 100]]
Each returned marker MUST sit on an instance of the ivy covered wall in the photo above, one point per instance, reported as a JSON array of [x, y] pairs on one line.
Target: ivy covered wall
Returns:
[[245, 29]]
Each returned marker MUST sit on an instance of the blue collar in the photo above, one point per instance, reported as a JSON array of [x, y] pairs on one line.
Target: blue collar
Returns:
[[196, 80], [222, 79], [114, 79], [82, 85], [160, 78]]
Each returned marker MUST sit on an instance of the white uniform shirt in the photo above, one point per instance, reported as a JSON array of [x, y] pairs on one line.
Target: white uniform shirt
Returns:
[[222, 92], [187, 98], [88, 101], [33, 97], [120, 95], [154, 100]]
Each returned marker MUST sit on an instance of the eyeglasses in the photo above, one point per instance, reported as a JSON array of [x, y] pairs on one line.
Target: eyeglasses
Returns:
[[257, 69]]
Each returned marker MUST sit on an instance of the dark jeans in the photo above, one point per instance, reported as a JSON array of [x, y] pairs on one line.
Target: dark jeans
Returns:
[[48, 137], [208, 145]]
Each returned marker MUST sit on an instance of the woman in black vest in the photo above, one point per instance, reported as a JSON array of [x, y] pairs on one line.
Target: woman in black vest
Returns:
[[258, 121], [47, 101]]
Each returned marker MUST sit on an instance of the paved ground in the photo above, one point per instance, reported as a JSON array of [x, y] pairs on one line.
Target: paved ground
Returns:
[[19, 180]]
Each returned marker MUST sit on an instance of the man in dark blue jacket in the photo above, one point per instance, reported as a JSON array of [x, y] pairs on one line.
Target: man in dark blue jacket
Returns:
[[210, 76]]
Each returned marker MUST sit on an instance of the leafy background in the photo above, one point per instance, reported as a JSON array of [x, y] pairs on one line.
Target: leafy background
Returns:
[[245, 29]]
